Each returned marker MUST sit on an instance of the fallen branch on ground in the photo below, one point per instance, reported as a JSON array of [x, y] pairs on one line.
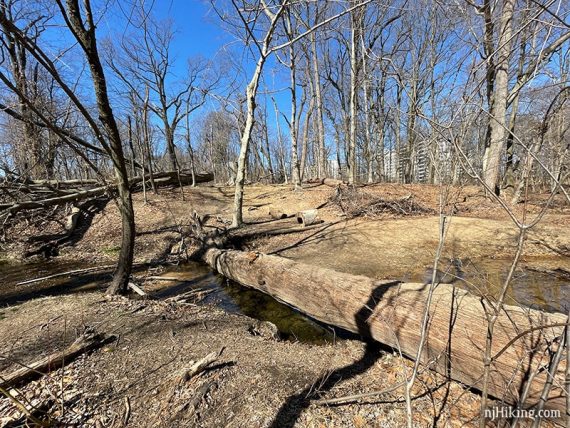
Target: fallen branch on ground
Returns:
[[74, 273], [200, 365], [68, 273], [137, 289], [352, 398], [55, 361]]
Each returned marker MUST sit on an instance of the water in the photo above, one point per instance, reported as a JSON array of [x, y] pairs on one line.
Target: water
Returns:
[[529, 288], [235, 298], [188, 277]]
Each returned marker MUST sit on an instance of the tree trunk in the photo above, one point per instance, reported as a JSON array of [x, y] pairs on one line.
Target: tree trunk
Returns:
[[398, 134], [267, 150], [351, 153], [510, 166], [369, 151], [293, 128], [85, 34], [391, 313], [322, 155], [497, 120], [251, 92], [174, 165], [131, 147], [147, 142], [170, 148], [122, 274]]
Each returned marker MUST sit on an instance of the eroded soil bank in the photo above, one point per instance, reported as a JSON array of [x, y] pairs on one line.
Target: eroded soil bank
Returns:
[[260, 381]]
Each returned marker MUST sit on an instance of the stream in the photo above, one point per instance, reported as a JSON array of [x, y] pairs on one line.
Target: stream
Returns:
[[534, 289], [218, 291]]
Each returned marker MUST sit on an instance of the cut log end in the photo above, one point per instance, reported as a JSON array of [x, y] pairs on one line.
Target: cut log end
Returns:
[[277, 215], [308, 217]]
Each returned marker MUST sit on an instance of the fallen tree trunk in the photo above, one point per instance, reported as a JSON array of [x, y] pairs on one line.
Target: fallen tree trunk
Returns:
[[277, 215], [391, 313], [332, 182], [277, 227], [64, 183], [44, 203], [161, 179], [54, 361], [171, 178]]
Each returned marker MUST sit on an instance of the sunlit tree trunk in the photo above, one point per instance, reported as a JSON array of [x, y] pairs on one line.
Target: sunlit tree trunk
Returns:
[[497, 120]]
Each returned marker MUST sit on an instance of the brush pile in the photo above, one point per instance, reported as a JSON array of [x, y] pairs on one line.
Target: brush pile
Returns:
[[354, 202]]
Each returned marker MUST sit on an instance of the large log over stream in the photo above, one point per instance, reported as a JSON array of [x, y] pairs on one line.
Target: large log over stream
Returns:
[[391, 313]]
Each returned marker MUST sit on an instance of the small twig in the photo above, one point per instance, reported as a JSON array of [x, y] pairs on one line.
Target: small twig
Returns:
[[127, 414], [200, 365], [351, 398], [163, 278], [524, 333]]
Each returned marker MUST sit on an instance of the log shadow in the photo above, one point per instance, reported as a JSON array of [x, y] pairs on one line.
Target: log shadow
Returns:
[[320, 235], [291, 410], [158, 231]]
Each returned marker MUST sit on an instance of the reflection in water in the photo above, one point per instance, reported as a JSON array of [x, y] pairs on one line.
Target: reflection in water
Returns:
[[528, 288], [290, 323], [232, 297]]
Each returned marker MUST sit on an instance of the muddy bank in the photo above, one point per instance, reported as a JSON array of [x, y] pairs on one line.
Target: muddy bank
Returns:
[[190, 281]]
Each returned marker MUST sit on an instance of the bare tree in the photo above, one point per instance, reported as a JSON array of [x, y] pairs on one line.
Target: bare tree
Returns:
[[147, 62], [81, 24]]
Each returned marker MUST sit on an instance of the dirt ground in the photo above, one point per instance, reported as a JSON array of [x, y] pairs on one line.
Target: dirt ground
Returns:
[[383, 245], [258, 381]]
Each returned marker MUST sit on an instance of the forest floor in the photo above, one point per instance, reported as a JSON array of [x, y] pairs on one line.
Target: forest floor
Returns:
[[259, 381]]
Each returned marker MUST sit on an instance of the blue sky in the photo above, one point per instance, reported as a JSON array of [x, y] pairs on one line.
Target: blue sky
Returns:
[[198, 30], [200, 33]]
